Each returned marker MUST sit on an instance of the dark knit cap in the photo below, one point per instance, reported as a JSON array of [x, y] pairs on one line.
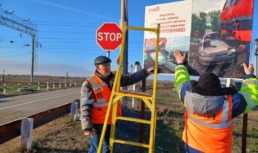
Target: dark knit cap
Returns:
[[209, 85]]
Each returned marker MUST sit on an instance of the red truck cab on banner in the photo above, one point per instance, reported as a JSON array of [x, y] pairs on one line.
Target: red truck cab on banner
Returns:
[[236, 20]]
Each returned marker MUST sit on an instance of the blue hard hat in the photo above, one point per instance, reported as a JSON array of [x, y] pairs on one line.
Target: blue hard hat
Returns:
[[101, 60]]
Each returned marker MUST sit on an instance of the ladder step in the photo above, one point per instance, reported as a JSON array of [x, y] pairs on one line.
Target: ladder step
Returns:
[[134, 94], [133, 120], [132, 143]]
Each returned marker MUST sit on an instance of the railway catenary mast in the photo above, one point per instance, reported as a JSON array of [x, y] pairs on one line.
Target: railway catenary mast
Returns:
[[12, 21]]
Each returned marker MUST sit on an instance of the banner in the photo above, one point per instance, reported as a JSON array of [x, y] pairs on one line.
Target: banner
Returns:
[[175, 22], [220, 37], [215, 37]]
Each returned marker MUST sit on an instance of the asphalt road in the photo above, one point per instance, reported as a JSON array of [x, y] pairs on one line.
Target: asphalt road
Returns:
[[13, 108]]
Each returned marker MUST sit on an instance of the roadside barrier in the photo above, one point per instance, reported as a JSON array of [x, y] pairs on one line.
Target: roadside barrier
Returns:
[[35, 86], [23, 127], [4, 92]]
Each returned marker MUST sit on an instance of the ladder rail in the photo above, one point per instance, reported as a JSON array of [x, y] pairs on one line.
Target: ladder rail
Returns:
[[154, 113], [115, 87], [132, 143], [133, 95], [134, 120], [113, 123], [142, 29], [117, 94], [145, 99]]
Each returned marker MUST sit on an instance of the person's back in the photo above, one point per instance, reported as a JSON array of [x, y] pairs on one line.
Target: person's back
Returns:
[[209, 109]]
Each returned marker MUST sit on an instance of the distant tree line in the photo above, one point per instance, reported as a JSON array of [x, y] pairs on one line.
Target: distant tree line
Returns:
[[210, 20]]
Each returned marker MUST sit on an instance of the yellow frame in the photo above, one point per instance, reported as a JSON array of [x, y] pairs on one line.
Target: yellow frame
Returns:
[[116, 95]]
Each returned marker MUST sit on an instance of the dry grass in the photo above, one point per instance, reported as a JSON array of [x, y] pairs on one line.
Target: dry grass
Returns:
[[64, 136]]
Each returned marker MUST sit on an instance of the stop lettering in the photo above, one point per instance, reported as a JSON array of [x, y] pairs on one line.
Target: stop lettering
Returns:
[[106, 36]]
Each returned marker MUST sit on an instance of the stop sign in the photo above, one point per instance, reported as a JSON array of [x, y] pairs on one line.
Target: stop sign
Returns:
[[109, 36]]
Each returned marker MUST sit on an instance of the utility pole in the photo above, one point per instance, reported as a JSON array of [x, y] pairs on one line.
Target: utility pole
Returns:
[[67, 75], [32, 59], [124, 18], [12, 21], [108, 54]]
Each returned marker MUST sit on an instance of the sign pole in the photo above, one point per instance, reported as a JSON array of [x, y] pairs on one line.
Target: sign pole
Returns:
[[124, 18], [108, 54], [244, 132]]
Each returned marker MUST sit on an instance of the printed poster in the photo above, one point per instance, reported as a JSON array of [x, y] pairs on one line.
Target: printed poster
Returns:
[[175, 22], [215, 37], [220, 37]]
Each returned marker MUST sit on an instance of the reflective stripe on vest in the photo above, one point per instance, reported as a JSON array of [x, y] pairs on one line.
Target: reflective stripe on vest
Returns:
[[96, 85], [250, 100], [101, 100], [209, 134], [249, 86], [248, 82], [100, 104], [102, 94], [89, 101], [181, 68], [222, 124]]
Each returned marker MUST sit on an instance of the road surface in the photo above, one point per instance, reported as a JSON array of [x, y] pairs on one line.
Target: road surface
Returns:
[[13, 108]]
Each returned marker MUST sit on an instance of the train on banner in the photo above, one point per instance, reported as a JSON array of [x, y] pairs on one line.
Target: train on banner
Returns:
[[217, 38]]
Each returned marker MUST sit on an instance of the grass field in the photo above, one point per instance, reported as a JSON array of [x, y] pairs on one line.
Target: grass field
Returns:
[[62, 135]]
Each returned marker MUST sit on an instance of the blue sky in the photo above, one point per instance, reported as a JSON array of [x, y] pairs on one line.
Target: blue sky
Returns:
[[67, 34]]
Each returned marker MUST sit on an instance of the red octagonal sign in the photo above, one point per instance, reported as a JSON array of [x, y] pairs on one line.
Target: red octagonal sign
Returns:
[[109, 36]]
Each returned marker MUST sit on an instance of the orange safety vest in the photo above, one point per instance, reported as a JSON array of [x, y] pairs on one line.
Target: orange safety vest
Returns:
[[209, 135], [102, 94]]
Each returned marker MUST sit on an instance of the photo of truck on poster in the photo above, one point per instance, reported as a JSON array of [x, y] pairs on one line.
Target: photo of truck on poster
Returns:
[[174, 33], [220, 37], [215, 37]]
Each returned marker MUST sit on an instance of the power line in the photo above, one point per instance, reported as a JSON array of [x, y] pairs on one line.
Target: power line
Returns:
[[15, 22]]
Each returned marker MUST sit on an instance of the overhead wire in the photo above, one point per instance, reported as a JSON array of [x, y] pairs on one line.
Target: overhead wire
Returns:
[[71, 38]]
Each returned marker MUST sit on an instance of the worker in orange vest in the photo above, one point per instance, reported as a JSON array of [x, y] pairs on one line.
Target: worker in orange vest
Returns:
[[95, 94], [209, 109]]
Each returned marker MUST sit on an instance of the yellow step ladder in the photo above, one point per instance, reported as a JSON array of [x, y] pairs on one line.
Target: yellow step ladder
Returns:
[[117, 94]]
